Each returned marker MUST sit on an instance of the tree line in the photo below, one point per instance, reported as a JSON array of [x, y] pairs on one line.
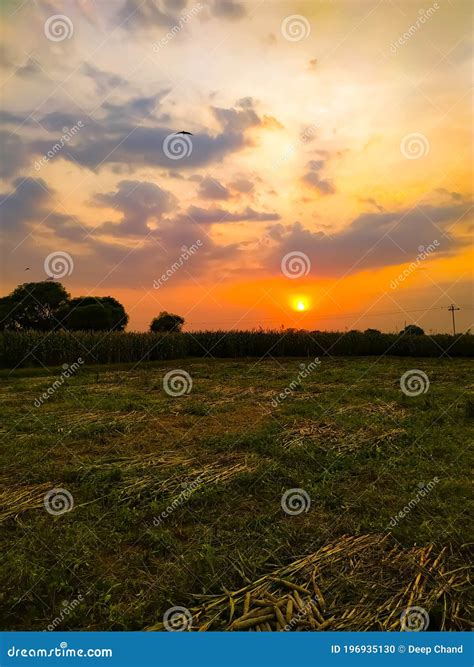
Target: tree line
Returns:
[[47, 306]]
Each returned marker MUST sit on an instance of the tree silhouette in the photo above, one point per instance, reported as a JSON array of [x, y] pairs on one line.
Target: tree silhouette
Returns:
[[166, 322], [93, 313], [413, 330], [33, 306]]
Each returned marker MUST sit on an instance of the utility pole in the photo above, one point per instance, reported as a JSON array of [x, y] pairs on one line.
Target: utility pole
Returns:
[[452, 308]]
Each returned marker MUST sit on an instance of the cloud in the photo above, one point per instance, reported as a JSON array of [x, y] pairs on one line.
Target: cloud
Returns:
[[242, 185], [371, 240], [138, 14], [104, 81], [140, 202], [218, 215], [210, 188], [30, 68], [227, 9], [313, 179], [22, 204]]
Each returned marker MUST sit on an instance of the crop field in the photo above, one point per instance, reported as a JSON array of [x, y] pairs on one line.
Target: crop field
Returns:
[[237, 494]]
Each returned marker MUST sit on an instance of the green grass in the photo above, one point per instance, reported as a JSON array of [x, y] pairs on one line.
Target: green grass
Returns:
[[348, 436]]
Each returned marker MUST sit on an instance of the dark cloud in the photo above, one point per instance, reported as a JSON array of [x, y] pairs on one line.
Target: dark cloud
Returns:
[[140, 202], [242, 185], [139, 14], [104, 81], [227, 9], [313, 178], [210, 188], [30, 68], [371, 240], [15, 154], [218, 215], [23, 204], [129, 134]]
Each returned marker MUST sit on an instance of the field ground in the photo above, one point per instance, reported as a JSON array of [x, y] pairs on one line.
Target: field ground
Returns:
[[127, 451]]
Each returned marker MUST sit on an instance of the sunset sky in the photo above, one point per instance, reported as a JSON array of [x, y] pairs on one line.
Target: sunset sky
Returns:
[[330, 139]]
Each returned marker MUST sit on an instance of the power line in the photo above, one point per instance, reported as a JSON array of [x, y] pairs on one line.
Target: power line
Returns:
[[334, 317]]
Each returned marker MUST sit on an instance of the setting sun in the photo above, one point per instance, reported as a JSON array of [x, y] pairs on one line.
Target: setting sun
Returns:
[[300, 303]]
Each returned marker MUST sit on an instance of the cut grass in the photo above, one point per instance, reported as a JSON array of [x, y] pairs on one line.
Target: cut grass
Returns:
[[127, 452]]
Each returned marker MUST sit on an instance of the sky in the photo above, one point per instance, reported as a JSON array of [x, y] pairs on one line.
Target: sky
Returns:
[[326, 183]]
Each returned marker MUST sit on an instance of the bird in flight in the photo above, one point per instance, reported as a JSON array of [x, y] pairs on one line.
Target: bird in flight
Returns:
[[184, 132], [27, 268]]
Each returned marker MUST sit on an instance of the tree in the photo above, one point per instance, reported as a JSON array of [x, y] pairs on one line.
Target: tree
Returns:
[[167, 322], [373, 332], [413, 330], [93, 313], [33, 306]]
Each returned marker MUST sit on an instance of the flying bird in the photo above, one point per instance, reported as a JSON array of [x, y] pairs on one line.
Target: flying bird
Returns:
[[184, 132], [27, 268]]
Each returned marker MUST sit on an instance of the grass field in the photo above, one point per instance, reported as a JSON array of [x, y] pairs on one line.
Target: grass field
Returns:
[[177, 498]]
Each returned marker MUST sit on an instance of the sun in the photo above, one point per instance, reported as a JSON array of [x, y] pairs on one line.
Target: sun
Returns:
[[300, 303]]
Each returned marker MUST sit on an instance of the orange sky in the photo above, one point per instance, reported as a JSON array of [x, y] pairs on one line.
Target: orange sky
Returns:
[[331, 146]]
